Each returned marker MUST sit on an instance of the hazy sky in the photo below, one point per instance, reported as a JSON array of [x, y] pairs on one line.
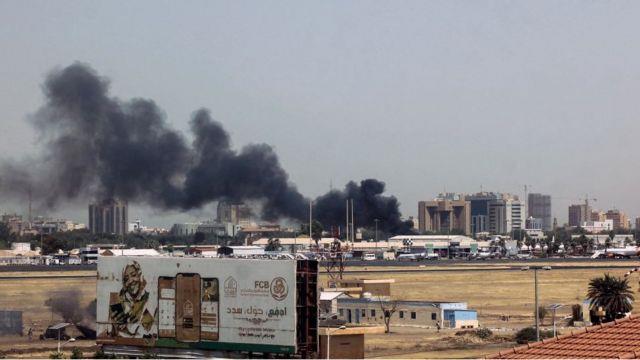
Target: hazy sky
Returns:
[[424, 95]]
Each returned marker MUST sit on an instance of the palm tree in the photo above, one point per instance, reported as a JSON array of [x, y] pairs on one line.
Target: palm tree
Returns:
[[611, 293]]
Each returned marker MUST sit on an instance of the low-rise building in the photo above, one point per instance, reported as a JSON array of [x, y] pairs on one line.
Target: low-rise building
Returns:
[[594, 227], [129, 252], [443, 245], [370, 310], [377, 288], [297, 243]]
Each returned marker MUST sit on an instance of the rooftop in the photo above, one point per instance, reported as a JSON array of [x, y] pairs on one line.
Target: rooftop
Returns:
[[618, 339]]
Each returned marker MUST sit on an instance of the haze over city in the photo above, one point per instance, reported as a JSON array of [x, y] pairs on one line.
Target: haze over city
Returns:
[[425, 96]]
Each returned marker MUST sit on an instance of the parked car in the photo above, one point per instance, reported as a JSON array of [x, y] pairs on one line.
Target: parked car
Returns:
[[369, 257], [524, 255], [431, 256]]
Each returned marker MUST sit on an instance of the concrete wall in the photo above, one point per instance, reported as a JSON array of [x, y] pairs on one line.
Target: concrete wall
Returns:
[[342, 346], [10, 322]]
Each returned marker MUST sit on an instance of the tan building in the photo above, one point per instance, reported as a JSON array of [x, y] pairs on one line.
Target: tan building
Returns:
[[620, 220], [444, 215], [378, 288]]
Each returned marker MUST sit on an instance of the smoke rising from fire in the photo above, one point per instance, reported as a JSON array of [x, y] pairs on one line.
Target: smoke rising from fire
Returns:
[[98, 146]]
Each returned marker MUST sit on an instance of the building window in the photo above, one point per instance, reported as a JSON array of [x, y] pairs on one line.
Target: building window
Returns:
[[433, 316], [401, 314], [373, 313], [364, 312], [413, 315], [341, 311]]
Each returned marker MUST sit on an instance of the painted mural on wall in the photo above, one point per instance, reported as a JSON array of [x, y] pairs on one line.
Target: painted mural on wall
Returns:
[[130, 311]]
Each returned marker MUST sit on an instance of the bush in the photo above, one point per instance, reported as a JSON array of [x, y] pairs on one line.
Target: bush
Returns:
[[483, 333], [56, 355], [528, 334], [76, 353], [100, 354]]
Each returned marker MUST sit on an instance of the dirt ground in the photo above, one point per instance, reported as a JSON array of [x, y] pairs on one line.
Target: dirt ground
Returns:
[[495, 293], [20, 347], [498, 294], [30, 294], [411, 342]]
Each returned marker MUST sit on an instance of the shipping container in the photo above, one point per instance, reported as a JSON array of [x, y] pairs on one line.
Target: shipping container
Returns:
[[204, 307]]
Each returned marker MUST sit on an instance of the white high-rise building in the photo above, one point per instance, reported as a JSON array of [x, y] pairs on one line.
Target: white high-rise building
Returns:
[[506, 214]]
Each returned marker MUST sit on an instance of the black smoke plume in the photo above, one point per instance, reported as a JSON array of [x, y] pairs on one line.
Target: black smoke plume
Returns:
[[67, 305], [368, 204], [97, 146]]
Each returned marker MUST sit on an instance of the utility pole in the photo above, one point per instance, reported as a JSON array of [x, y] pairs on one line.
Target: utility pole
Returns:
[[353, 227], [347, 223], [535, 280], [310, 219], [376, 221]]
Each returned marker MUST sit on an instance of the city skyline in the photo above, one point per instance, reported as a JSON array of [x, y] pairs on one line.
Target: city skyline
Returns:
[[549, 94]]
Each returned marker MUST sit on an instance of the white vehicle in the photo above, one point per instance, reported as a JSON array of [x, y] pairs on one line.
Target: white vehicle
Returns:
[[431, 256], [369, 257], [626, 252], [409, 257], [524, 255]]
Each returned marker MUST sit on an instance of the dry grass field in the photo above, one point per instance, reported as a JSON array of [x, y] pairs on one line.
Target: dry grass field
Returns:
[[486, 288], [495, 293], [29, 294]]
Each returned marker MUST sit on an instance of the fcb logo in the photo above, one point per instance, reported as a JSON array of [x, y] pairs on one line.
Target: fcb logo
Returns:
[[279, 289], [230, 287]]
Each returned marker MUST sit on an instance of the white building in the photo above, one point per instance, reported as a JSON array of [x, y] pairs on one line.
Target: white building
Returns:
[[506, 214], [594, 227]]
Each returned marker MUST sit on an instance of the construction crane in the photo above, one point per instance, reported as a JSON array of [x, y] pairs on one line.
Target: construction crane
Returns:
[[585, 199]]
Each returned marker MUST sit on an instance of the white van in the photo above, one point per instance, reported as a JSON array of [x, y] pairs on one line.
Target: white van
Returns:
[[369, 257]]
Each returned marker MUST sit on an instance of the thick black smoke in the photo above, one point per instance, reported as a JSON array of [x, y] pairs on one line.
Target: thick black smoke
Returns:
[[368, 204], [67, 305], [97, 146]]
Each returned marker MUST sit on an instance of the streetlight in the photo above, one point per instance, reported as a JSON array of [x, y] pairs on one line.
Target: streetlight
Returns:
[[329, 337], [535, 281], [554, 308], [68, 341]]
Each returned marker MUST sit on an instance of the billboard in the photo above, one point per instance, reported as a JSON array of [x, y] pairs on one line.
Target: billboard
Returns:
[[197, 303]]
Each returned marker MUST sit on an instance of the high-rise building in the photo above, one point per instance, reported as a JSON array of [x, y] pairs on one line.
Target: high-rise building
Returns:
[[620, 219], [539, 207], [479, 203], [443, 215], [638, 223], [578, 214], [234, 213], [505, 214], [109, 216]]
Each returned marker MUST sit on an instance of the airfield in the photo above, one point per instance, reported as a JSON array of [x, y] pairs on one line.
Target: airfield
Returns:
[[500, 291]]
